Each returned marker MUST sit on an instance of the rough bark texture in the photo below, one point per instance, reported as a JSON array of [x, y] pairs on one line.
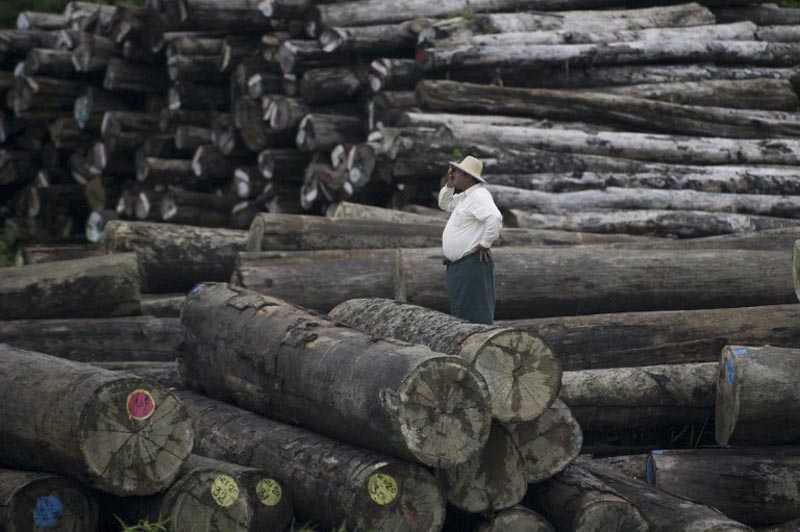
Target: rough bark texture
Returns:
[[493, 480], [164, 373], [41, 253], [520, 370], [211, 495], [669, 337], [118, 433], [557, 282], [757, 395], [162, 305], [102, 339], [92, 287], [175, 257], [33, 501], [549, 443], [332, 483], [577, 501], [665, 512], [356, 211], [756, 488], [516, 519], [295, 276], [609, 400], [399, 398]]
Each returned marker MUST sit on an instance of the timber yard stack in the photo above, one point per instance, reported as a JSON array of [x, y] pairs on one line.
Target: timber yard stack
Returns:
[[317, 377]]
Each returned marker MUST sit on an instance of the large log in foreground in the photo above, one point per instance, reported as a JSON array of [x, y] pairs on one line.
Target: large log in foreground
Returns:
[[31, 501], [665, 512], [757, 487], [174, 258], [557, 281], [332, 483], [520, 370], [391, 396], [667, 337], [115, 432], [757, 395], [143, 338], [80, 288]]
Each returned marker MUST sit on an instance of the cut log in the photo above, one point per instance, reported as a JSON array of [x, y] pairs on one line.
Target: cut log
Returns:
[[577, 500], [162, 305], [47, 62], [671, 337], [384, 412], [755, 488], [34, 20], [93, 53], [521, 372], [296, 56], [100, 339], [376, 491], [197, 208], [394, 74], [136, 77], [356, 211], [755, 391], [619, 280], [665, 512], [382, 38], [174, 257], [491, 481], [609, 400], [294, 276], [549, 443], [31, 500], [333, 84], [516, 519], [210, 163], [211, 494], [319, 132], [625, 110], [190, 137], [760, 14], [91, 287], [188, 95], [42, 253], [120, 434], [614, 198], [682, 224], [290, 9]]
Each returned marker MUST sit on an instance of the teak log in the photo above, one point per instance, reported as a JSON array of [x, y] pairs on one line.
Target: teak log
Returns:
[[549, 443], [520, 370], [30, 500], [382, 408], [82, 288], [175, 257], [755, 395], [577, 500], [555, 284], [668, 337], [115, 432], [755, 486], [374, 491], [98, 339]]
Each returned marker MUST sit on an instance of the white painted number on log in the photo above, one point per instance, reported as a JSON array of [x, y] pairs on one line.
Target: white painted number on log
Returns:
[[269, 492], [141, 404], [224, 490], [382, 488]]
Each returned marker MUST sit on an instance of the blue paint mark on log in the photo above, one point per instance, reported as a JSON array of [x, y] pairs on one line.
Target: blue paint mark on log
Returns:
[[741, 352], [731, 372], [47, 511]]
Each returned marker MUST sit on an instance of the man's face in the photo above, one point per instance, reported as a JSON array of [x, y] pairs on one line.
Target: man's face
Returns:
[[460, 180]]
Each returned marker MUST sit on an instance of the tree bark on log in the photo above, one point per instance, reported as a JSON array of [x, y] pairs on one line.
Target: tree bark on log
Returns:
[[493, 480], [599, 107], [91, 287], [118, 433], [294, 276], [619, 281], [212, 494], [393, 74], [681, 224], [380, 38], [136, 77], [332, 85], [319, 132], [101, 339], [670, 337], [43, 253], [355, 211], [162, 305], [578, 501], [283, 164], [755, 392], [520, 371], [173, 257], [311, 465], [665, 512], [760, 14], [620, 199], [31, 500], [549, 443], [755, 488], [516, 519], [610, 400], [376, 412]]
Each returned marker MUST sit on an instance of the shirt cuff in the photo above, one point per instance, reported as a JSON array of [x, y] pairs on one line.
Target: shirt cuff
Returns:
[[485, 244]]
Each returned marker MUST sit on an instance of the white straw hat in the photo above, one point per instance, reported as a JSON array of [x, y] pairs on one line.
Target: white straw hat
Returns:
[[471, 166]]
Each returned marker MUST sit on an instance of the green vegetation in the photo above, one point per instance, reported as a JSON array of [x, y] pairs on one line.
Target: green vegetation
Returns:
[[10, 8], [788, 3], [11, 240]]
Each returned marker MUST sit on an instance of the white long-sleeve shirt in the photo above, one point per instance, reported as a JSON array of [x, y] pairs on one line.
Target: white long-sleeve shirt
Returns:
[[475, 220]]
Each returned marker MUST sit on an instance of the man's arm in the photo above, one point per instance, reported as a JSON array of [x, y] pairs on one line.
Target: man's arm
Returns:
[[484, 209], [446, 202]]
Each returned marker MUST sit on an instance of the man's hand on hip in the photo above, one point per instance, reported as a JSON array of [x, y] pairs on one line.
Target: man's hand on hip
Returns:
[[483, 253]]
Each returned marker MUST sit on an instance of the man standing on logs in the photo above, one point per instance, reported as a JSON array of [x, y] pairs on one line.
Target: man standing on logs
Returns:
[[473, 225]]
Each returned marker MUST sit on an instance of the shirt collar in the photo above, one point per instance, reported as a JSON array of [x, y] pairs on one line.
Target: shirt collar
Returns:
[[471, 189]]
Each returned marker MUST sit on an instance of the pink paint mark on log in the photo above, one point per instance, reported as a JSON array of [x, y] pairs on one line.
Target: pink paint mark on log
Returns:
[[140, 404]]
